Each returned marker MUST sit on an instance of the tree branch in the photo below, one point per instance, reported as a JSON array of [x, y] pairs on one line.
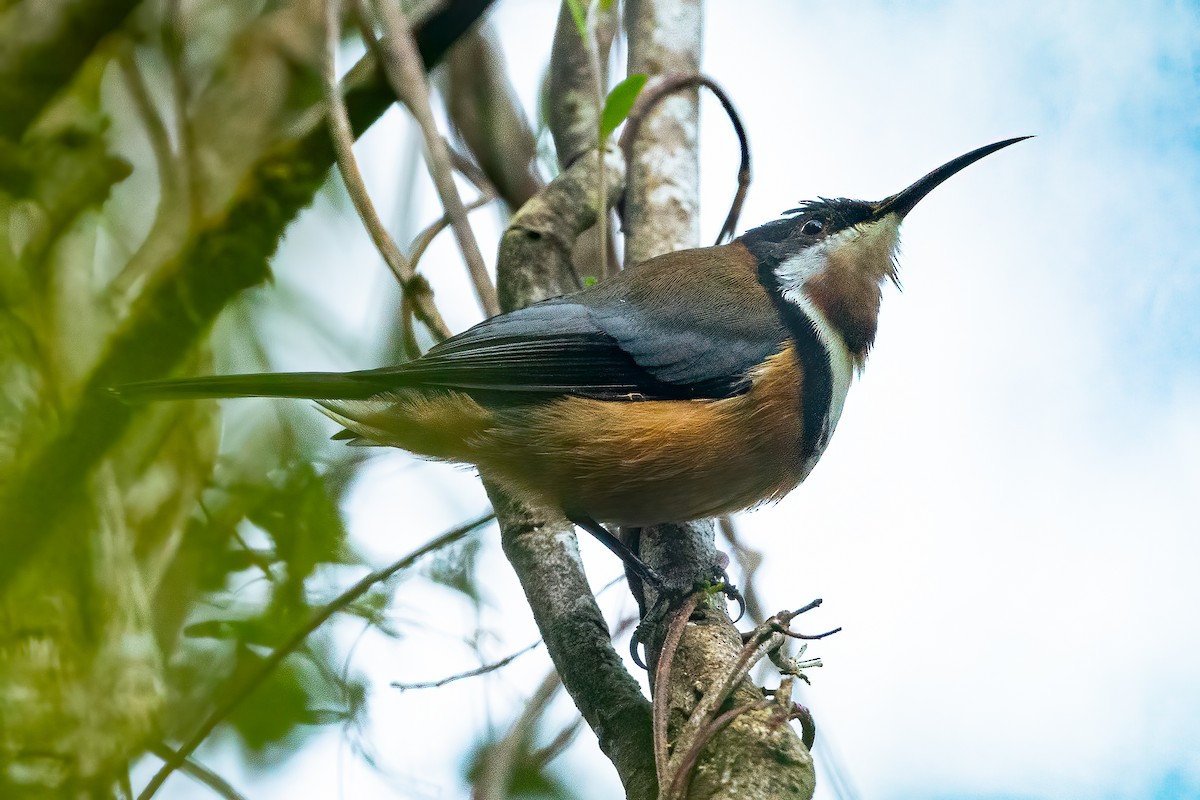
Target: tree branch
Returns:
[[664, 166], [484, 110], [749, 752], [649, 98], [419, 292], [535, 263], [573, 105], [397, 51]]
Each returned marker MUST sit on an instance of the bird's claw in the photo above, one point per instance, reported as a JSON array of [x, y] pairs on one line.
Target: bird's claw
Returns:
[[671, 598], [731, 592]]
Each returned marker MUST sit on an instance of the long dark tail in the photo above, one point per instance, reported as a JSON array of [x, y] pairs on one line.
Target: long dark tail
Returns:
[[313, 385]]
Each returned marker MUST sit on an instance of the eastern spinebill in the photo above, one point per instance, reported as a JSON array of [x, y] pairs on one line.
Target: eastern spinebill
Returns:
[[696, 383]]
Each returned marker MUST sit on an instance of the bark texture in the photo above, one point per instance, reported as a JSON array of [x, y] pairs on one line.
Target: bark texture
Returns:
[[664, 176], [758, 755], [535, 263]]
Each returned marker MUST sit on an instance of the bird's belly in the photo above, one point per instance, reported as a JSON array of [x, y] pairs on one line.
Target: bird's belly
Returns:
[[640, 463]]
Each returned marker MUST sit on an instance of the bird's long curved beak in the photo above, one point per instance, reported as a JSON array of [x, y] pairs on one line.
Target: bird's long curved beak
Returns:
[[903, 202]]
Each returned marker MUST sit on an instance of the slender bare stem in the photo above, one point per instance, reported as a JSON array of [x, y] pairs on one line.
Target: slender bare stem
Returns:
[[471, 673], [169, 228], [681, 779], [762, 642], [493, 782], [750, 560], [674, 83], [201, 773], [173, 38], [343, 140], [425, 238], [559, 743], [661, 685], [397, 52]]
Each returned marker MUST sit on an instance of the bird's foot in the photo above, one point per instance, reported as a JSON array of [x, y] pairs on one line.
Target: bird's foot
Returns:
[[671, 597]]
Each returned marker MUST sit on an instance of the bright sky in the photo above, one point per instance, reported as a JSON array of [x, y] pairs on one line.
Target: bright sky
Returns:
[[1006, 521]]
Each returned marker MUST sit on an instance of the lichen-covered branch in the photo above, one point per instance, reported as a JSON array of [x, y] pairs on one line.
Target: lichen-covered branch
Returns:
[[664, 175], [573, 102], [534, 263], [228, 254], [751, 751]]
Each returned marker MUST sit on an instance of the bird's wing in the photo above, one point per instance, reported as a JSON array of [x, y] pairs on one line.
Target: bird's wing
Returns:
[[695, 328], [689, 336], [586, 350]]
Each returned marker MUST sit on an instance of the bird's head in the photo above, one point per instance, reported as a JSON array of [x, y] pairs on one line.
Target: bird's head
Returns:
[[831, 256]]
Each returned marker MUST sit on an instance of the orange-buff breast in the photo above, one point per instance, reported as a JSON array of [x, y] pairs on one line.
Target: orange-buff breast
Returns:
[[639, 463]]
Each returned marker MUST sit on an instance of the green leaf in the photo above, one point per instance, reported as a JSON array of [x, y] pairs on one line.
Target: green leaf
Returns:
[[579, 12], [605, 5], [270, 716], [619, 103]]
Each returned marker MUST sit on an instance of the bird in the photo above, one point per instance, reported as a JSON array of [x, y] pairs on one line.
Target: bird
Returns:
[[697, 383]]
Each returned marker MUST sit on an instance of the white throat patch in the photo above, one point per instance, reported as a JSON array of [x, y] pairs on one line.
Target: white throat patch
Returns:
[[871, 245]]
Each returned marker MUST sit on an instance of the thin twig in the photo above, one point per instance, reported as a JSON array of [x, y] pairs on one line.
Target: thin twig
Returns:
[[661, 685], [172, 35], [408, 336], [782, 697], [783, 619], [471, 673], [704, 723], [343, 139], [397, 53], [194, 769], [464, 166], [755, 650], [268, 664], [169, 229], [808, 728], [699, 726], [670, 84]]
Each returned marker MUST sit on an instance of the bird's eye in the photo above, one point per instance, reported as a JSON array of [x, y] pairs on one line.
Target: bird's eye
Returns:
[[812, 227]]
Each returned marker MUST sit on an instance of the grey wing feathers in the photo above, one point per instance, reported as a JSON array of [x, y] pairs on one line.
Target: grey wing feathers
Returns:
[[594, 346]]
